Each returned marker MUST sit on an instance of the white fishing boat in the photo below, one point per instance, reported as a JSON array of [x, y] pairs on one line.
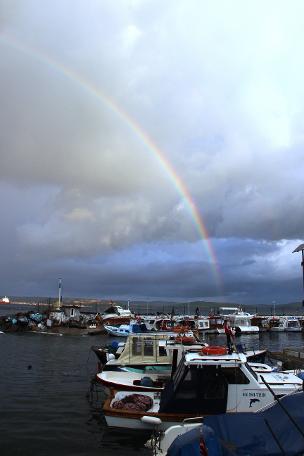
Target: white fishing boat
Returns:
[[149, 378], [276, 324], [199, 323], [284, 324], [165, 323], [145, 363], [241, 322], [204, 383], [115, 315], [146, 349], [292, 324], [4, 300]]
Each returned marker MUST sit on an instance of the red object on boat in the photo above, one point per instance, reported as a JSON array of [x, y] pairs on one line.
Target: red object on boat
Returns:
[[215, 350], [137, 402], [185, 340], [181, 329]]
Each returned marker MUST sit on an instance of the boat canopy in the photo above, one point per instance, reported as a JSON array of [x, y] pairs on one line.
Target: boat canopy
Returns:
[[274, 431], [147, 349], [271, 432]]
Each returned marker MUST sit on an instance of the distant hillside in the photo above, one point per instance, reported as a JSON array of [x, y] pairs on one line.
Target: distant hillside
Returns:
[[145, 307]]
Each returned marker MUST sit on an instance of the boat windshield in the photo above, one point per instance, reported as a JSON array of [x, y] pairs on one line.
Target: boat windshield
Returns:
[[180, 373], [293, 324]]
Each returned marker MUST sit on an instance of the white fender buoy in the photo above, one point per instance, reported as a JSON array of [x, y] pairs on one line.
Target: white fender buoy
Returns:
[[151, 420]]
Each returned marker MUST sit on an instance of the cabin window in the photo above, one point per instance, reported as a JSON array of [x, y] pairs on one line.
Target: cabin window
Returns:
[[148, 347], [136, 346], [293, 324], [142, 347], [235, 376], [162, 351], [72, 312], [188, 388]]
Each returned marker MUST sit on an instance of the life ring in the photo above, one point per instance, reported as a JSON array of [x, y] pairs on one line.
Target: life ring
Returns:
[[185, 340], [215, 350]]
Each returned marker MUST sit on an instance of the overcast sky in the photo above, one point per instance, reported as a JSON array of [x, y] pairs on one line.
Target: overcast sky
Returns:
[[218, 89]]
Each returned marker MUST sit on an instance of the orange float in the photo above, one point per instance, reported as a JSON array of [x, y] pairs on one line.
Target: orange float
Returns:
[[214, 350]]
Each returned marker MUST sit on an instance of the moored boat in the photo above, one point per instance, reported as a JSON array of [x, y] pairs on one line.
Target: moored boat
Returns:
[[292, 324], [116, 315], [204, 383], [287, 324], [241, 322], [125, 330]]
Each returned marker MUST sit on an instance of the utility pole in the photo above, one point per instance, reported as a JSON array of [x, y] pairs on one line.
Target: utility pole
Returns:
[[59, 291], [300, 248]]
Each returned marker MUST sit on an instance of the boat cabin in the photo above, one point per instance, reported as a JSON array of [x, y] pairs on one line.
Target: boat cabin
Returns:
[[293, 324], [242, 321], [142, 350], [208, 384], [195, 323]]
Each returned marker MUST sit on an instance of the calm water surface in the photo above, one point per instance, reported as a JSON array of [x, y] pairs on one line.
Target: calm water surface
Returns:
[[45, 409]]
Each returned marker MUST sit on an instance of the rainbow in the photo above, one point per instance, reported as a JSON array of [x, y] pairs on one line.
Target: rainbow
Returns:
[[144, 137]]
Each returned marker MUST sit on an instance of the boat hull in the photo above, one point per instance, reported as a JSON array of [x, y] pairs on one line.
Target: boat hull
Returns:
[[132, 420]]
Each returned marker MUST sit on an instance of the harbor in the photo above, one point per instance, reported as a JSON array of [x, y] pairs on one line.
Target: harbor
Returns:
[[52, 377]]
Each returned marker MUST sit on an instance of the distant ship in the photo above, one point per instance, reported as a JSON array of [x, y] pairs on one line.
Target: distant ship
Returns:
[[4, 300]]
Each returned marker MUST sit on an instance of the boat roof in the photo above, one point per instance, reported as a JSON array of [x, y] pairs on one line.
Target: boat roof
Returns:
[[199, 358], [143, 349]]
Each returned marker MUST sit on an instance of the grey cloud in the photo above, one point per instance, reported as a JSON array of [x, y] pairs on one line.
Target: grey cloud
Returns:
[[222, 109]]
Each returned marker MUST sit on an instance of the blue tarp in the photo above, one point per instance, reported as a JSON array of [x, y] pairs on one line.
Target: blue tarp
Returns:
[[188, 444], [256, 433], [267, 433]]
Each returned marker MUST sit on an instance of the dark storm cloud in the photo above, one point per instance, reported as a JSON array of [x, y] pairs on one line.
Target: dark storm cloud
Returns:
[[217, 87]]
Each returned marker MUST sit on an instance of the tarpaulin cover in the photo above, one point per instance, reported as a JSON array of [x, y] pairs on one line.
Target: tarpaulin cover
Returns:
[[267, 433], [188, 444]]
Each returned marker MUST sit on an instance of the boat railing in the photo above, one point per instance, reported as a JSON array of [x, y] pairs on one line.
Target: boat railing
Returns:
[[195, 419]]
